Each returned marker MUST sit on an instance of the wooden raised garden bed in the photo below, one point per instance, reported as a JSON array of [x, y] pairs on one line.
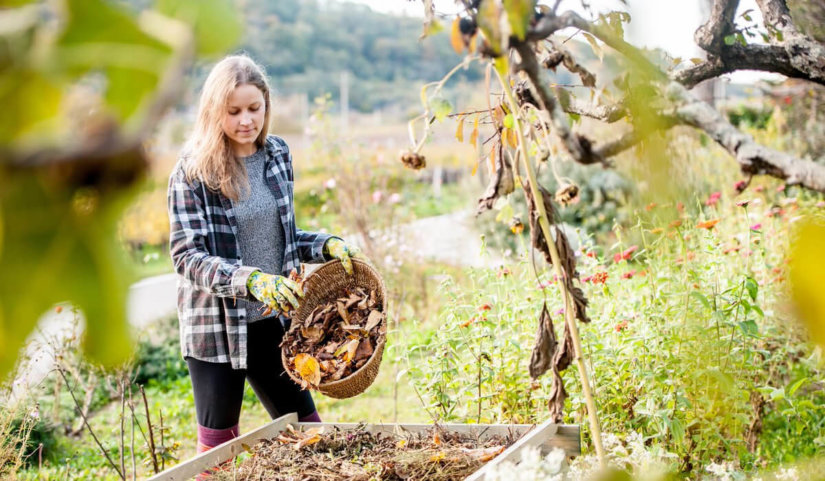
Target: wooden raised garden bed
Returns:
[[546, 436]]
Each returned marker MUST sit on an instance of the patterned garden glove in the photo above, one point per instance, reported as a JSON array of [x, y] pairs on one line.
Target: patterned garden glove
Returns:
[[338, 249], [276, 292]]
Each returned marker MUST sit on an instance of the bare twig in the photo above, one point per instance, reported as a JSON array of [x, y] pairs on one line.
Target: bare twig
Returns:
[[88, 426], [151, 433]]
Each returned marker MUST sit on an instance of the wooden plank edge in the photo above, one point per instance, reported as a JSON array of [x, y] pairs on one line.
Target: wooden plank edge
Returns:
[[534, 438], [228, 450]]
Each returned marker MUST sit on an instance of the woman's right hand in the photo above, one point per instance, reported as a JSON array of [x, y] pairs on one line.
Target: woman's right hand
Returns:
[[276, 292]]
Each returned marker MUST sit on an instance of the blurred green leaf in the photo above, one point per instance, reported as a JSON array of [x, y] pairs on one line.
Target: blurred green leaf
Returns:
[[441, 108], [519, 14], [489, 21], [101, 37], [749, 328], [216, 22], [807, 276], [701, 298], [752, 287], [29, 100], [60, 244]]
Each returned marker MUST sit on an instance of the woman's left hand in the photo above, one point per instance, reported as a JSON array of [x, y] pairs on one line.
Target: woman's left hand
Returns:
[[338, 249]]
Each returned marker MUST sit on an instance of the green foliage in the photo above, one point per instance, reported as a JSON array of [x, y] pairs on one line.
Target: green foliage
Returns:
[[158, 359], [745, 116], [688, 340], [82, 80]]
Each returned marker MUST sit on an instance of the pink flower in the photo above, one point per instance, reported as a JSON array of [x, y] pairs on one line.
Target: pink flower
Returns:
[[330, 183], [743, 203], [377, 196], [625, 254], [629, 274], [756, 226], [713, 199], [821, 204], [781, 188], [395, 198]]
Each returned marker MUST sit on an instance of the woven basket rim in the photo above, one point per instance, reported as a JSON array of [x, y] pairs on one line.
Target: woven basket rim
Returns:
[[379, 347]]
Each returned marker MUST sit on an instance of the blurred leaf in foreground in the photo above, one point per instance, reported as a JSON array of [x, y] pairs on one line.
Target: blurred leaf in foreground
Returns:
[[807, 275]]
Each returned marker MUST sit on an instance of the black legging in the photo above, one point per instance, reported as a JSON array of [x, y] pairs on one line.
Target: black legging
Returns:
[[219, 389]]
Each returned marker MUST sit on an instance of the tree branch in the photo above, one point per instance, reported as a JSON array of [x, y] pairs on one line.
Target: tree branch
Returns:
[[805, 53], [766, 58], [711, 35], [752, 157]]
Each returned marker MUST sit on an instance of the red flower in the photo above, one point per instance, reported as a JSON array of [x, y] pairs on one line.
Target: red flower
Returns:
[[650, 206], [676, 223], [713, 199], [629, 274], [503, 272], [599, 277], [625, 254], [680, 207], [484, 307], [740, 186], [787, 99], [620, 326]]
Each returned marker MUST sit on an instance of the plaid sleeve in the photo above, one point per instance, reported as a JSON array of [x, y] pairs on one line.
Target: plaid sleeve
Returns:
[[188, 233]]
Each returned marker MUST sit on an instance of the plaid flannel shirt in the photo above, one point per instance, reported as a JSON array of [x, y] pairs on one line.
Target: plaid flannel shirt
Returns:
[[203, 243]]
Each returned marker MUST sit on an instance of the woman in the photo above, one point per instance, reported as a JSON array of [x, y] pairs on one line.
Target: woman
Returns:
[[233, 241]]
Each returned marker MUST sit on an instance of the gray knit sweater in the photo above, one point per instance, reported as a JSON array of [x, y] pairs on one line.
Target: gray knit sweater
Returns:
[[260, 233]]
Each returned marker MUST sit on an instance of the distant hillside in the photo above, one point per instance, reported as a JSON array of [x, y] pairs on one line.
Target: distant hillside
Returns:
[[306, 44]]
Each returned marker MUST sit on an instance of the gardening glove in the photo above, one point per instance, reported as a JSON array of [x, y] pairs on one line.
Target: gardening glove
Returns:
[[276, 292], [338, 249]]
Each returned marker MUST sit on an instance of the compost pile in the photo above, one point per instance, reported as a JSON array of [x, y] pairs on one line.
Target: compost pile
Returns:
[[359, 455], [335, 339]]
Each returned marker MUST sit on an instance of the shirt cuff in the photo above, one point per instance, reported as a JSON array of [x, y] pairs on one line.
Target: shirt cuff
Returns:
[[239, 280]]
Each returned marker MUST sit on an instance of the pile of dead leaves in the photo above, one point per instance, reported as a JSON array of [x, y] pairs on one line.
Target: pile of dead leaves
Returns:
[[357, 454], [335, 339]]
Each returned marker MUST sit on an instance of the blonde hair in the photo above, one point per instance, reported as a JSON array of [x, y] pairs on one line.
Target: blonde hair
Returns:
[[211, 158]]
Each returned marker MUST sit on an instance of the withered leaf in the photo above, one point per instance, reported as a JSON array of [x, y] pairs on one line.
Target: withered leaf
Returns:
[[536, 236], [557, 397], [374, 319], [342, 311], [501, 183], [351, 347], [565, 352], [545, 348], [364, 350], [313, 334]]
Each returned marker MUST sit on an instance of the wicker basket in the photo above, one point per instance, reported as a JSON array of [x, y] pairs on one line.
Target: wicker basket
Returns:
[[326, 284]]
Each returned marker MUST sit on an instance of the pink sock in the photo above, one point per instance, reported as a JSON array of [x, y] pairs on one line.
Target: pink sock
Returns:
[[310, 418], [208, 438]]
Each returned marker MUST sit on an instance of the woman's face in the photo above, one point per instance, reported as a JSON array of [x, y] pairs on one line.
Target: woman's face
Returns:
[[244, 118]]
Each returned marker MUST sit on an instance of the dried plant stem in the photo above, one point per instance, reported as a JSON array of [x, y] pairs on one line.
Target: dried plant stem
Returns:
[[89, 427], [132, 410], [554, 254], [151, 433]]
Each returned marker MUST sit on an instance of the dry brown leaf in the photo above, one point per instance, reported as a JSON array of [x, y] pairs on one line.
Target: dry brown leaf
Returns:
[[374, 319], [484, 454], [364, 350], [351, 347], [313, 334], [542, 357]]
